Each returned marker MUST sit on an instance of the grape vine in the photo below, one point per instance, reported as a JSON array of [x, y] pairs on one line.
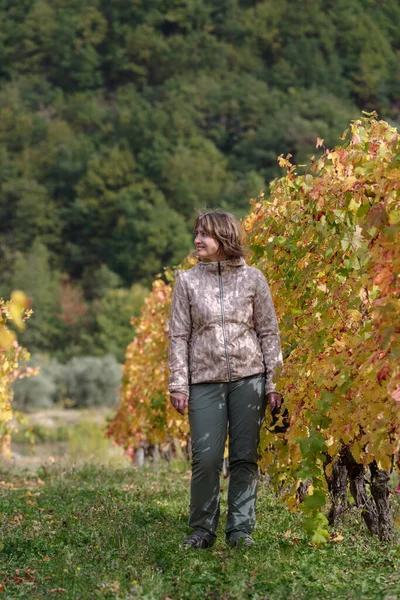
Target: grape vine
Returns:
[[11, 354]]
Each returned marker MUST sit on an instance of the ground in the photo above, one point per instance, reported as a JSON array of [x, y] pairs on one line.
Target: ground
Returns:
[[113, 531]]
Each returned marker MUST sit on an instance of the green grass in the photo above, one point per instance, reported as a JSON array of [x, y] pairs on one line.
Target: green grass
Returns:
[[76, 436], [101, 532]]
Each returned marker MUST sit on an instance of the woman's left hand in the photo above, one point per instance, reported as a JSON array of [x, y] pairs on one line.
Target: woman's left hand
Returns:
[[274, 400]]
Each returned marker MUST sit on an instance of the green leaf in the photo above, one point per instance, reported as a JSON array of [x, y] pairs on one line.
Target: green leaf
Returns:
[[257, 250], [345, 244], [362, 211], [316, 500], [320, 537], [321, 520], [326, 401], [314, 522], [317, 442], [394, 217], [309, 525], [304, 446]]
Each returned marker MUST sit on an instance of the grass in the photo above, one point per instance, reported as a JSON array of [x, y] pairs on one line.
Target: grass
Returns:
[[72, 435], [114, 533]]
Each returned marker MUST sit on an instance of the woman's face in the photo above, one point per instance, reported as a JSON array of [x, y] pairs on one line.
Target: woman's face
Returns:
[[207, 247]]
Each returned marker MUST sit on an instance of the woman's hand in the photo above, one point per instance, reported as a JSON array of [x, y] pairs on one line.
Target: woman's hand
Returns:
[[179, 401], [274, 400]]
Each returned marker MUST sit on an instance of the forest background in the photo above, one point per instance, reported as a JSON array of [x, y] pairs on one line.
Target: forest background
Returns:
[[118, 120]]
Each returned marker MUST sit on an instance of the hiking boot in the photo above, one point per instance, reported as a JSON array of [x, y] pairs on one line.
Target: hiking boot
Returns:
[[199, 539], [238, 539]]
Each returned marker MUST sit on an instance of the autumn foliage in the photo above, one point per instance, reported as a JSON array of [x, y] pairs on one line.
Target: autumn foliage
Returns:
[[11, 354], [328, 241], [144, 415]]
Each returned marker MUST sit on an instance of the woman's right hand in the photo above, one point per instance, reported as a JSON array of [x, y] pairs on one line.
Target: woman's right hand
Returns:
[[179, 401]]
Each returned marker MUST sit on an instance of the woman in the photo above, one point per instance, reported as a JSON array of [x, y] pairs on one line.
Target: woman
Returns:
[[224, 350]]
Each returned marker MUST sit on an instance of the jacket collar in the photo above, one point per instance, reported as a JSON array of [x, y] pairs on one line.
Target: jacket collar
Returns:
[[225, 264]]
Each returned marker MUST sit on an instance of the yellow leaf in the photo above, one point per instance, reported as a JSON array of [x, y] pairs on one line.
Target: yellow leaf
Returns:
[[5, 415], [393, 174], [356, 452], [355, 316], [292, 503], [337, 538], [350, 181], [17, 307], [6, 337], [354, 206], [385, 463]]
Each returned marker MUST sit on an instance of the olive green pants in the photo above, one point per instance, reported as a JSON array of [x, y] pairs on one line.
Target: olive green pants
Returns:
[[215, 409]]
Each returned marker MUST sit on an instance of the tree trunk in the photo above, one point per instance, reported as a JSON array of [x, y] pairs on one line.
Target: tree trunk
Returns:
[[155, 453], [357, 488], [302, 490], [337, 485], [380, 493], [139, 457]]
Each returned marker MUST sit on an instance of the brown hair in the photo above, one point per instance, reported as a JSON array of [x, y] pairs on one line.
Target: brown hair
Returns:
[[224, 228]]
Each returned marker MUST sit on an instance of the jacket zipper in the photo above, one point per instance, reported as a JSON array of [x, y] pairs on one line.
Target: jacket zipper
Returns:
[[221, 296]]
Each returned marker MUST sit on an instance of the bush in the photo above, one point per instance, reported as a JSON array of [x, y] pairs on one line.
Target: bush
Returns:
[[35, 394], [81, 382], [42, 391], [93, 381]]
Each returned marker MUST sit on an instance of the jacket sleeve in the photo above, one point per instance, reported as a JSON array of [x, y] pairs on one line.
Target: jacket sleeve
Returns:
[[266, 326], [180, 327]]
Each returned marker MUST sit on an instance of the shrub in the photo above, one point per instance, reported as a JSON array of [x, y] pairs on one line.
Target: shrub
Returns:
[[11, 354], [42, 392], [92, 381]]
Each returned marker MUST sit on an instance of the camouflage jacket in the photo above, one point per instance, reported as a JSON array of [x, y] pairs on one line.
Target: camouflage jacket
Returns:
[[222, 327]]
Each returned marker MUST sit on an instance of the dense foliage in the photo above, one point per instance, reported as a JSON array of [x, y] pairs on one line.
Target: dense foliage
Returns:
[[328, 242], [118, 119], [144, 416], [67, 323]]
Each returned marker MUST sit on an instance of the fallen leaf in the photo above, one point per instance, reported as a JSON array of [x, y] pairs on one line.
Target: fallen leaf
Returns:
[[17, 517], [337, 538], [287, 534]]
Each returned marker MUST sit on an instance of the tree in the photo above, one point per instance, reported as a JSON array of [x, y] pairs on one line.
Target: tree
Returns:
[[114, 312], [195, 176], [32, 272]]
